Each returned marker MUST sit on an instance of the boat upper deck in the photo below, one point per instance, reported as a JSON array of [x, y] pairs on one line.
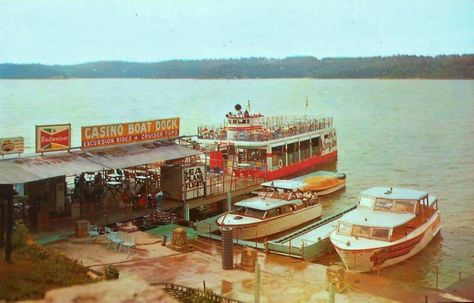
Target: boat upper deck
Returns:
[[272, 130]]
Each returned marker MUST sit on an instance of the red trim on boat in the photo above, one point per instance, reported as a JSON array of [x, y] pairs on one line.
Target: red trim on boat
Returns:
[[396, 250], [294, 168]]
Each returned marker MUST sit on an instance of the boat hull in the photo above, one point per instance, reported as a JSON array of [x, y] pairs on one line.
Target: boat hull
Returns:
[[275, 225], [376, 258], [331, 190], [293, 169]]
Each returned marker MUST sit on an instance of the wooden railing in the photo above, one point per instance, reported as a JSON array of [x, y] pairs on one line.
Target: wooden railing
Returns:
[[182, 293]]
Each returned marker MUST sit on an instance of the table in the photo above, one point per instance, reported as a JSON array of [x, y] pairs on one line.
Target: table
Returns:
[[114, 186], [140, 179], [114, 177], [89, 179]]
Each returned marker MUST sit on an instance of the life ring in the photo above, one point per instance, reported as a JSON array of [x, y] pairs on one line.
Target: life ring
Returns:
[[280, 163]]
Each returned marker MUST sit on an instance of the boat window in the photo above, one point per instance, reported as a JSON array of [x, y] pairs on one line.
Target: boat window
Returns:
[[404, 206], [366, 202], [380, 233], [240, 210], [273, 213], [255, 213], [363, 231], [286, 209], [234, 121], [384, 205], [344, 228]]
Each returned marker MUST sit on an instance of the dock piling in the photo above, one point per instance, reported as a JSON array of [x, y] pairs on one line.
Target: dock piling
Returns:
[[332, 292], [256, 294]]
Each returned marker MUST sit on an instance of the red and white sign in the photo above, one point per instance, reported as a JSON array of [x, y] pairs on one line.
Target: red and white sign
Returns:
[[53, 137], [12, 145], [125, 133]]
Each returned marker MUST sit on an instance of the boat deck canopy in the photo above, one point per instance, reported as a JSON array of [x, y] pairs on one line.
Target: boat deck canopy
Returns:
[[285, 184], [28, 169], [368, 217], [266, 204], [394, 193]]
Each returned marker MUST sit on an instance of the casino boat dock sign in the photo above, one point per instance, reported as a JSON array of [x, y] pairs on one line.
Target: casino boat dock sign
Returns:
[[113, 134]]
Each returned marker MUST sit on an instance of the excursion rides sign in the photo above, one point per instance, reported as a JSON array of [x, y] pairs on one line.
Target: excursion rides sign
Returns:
[[125, 133]]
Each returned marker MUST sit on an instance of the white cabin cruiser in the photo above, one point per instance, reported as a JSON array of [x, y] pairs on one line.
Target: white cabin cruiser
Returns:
[[279, 206], [388, 226]]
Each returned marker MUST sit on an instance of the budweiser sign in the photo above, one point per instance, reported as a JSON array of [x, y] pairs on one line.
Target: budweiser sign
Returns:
[[53, 137]]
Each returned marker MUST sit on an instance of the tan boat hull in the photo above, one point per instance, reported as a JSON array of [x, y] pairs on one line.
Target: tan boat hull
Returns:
[[277, 224], [376, 258]]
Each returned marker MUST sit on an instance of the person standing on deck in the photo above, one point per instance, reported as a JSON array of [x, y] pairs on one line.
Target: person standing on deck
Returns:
[[159, 199]]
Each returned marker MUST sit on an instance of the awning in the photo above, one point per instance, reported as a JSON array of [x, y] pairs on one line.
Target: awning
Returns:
[[23, 170], [131, 155]]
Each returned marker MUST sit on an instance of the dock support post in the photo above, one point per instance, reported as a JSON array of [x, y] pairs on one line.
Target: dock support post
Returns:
[[256, 293], [2, 224], [186, 211], [332, 292], [302, 249], [7, 193], [229, 200]]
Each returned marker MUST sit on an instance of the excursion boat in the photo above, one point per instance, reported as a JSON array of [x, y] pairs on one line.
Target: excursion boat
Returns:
[[388, 226], [268, 147], [280, 205]]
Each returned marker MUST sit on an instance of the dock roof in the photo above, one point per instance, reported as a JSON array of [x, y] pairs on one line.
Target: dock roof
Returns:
[[28, 169]]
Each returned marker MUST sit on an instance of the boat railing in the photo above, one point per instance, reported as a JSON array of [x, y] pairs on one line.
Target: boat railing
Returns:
[[219, 184], [274, 128]]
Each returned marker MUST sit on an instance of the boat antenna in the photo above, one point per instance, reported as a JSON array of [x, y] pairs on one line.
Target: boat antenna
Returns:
[[248, 106]]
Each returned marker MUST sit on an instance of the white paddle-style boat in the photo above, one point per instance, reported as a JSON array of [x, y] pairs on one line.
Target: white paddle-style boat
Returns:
[[388, 226], [279, 206]]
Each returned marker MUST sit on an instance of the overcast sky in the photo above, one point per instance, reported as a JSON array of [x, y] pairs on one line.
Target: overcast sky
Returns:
[[76, 31]]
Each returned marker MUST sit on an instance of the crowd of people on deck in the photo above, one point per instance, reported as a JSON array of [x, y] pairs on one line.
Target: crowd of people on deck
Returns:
[[129, 191], [270, 132]]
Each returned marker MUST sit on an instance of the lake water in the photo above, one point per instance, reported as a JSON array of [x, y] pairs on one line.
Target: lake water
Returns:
[[409, 133]]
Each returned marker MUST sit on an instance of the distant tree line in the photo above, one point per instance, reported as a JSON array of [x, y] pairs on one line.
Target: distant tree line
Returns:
[[394, 67]]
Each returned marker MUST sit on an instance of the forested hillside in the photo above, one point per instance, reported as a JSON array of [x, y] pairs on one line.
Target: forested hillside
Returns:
[[440, 67]]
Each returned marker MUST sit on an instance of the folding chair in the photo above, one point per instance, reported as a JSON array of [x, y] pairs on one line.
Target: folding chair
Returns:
[[128, 243], [93, 232]]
